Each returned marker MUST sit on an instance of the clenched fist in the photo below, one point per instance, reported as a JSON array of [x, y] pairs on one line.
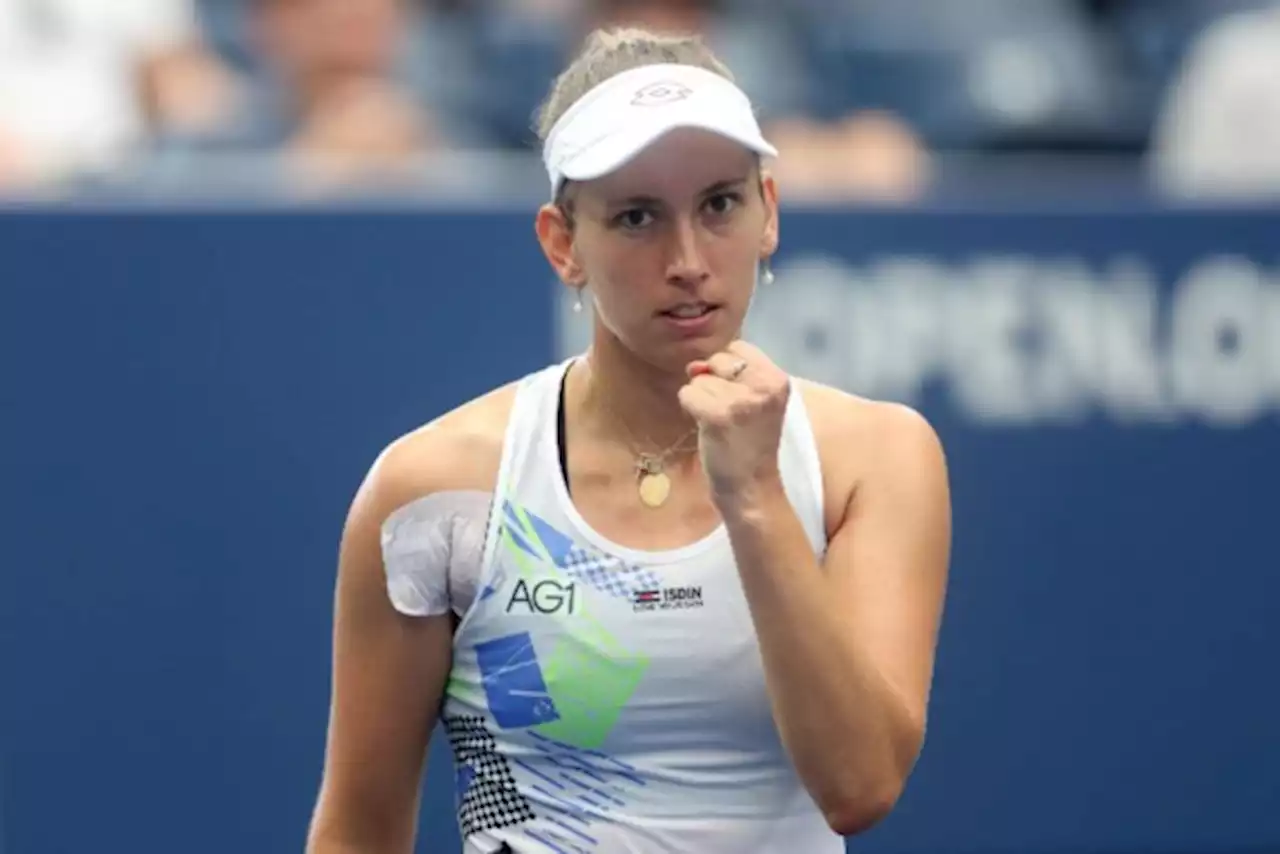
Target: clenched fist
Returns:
[[739, 399]]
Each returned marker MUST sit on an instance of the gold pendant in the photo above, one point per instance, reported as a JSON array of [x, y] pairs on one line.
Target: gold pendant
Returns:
[[654, 488]]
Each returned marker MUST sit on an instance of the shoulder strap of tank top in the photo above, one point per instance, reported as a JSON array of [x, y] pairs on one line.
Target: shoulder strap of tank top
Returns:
[[802, 467], [519, 439]]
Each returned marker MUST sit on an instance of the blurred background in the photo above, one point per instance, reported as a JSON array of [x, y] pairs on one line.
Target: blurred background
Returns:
[[245, 243], [872, 100]]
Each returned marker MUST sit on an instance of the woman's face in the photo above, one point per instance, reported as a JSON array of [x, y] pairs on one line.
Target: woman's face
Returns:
[[669, 245]]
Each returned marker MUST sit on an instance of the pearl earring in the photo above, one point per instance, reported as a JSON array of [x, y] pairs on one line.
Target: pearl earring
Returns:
[[766, 275], [577, 301]]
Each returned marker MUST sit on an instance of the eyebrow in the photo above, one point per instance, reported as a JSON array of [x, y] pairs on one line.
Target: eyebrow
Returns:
[[717, 187]]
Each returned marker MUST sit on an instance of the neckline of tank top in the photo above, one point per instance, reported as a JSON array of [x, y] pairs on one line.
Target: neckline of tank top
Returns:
[[551, 441]]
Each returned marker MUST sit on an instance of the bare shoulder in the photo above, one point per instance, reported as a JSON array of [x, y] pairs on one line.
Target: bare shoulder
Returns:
[[863, 442], [460, 450], [390, 665], [847, 421]]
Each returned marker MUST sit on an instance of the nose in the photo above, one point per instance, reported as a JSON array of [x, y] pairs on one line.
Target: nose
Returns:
[[687, 266]]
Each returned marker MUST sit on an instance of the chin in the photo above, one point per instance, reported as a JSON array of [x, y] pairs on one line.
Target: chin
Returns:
[[672, 354], [679, 354]]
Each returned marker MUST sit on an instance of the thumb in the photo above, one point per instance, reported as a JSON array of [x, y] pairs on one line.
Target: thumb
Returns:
[[699, 404]]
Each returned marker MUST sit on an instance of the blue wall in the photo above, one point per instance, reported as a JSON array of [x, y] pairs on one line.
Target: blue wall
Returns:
[[190, 400]]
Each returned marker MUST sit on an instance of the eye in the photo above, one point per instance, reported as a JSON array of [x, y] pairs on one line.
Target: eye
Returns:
[[722, 204], [633, 219]]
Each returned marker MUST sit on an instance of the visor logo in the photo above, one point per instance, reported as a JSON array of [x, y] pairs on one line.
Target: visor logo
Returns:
[[657, 94]]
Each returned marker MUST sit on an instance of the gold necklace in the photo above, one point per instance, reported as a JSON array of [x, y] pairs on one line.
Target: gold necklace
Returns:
[[652, 482]]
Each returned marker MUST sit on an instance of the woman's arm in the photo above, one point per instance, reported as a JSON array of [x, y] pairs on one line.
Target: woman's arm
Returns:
[[848, 645], [389, 673]]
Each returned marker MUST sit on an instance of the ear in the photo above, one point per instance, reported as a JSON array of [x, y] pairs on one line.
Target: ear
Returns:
[[769, 239], [556, 238]]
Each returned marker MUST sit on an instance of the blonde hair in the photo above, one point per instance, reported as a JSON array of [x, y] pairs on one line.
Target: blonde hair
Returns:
[[609, 52]]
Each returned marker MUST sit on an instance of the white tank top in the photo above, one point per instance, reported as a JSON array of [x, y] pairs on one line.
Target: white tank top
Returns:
[[604, 699]]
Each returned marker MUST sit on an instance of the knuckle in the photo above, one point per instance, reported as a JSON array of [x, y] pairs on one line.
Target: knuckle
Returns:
[[741, 411]]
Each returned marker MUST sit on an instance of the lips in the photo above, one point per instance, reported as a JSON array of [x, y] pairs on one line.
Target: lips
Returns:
[[689, 310], [691, 319]]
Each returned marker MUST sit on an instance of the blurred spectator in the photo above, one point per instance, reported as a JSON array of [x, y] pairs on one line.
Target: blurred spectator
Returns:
[[869, 156], [84, 82], [520, 45], [329, 91], [970, 75], [1219, 134]]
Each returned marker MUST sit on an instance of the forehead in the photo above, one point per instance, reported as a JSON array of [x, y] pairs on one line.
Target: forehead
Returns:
[[682, 163]]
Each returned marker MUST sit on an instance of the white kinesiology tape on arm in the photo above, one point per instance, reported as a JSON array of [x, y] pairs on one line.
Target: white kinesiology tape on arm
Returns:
[[432, 550]]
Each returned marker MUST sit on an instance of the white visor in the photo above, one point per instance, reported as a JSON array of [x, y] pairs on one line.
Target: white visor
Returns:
[[610, 125]]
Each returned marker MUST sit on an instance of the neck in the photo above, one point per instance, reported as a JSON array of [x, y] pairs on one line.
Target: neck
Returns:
[[317, 87], [625, 399]]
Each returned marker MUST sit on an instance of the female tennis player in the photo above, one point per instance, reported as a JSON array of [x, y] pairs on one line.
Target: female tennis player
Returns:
[[663, 596]]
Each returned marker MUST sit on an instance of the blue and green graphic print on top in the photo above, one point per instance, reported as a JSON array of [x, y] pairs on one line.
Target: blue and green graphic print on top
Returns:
[[513, 682], [575, 691]]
